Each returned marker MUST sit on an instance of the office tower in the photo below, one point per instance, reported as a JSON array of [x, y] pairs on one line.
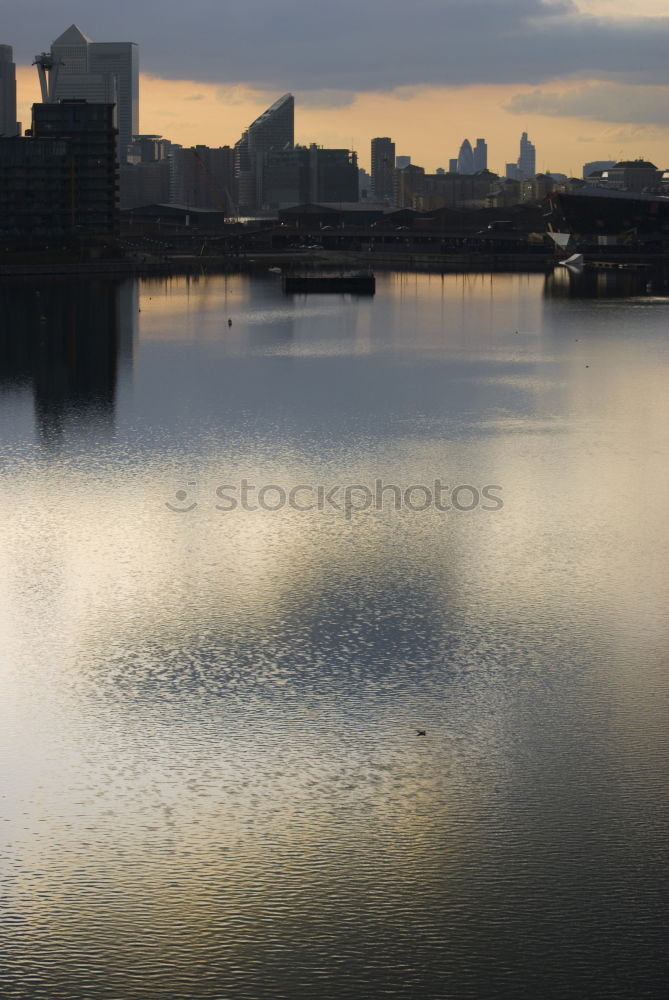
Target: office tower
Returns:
[[8, 123], [90, 136], [480, 156], [402, 161], [383, 165], [527, 158], [204, 177], [466, 158], [333, 175], [453, 165], [512, 172], [272, 130], [308, 174], [100, 72]]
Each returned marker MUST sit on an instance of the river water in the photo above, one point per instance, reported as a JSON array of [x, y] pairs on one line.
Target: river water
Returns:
[[250, 546]]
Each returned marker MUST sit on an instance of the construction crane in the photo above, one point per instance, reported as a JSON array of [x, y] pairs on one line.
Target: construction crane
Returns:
[[222, 199]]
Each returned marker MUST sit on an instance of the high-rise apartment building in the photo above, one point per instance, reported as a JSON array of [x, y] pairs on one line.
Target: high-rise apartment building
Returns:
[[383, 168], [527, 161], [89, 133], [8, 123], [273, 130], [100, 72], [480, 156]]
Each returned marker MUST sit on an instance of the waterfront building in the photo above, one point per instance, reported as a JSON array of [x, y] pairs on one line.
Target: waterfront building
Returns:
[[383, 165], [90, 135], [35, 190], [8, 124]]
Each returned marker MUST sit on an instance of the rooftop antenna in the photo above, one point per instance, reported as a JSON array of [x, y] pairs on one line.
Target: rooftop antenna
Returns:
[[48, 67]]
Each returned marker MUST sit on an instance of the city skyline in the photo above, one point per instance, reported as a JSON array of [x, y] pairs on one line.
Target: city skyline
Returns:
[[599, 107]]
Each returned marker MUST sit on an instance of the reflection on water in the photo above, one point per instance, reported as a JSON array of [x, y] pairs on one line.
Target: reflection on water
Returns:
[[65, 341], [213, 783]]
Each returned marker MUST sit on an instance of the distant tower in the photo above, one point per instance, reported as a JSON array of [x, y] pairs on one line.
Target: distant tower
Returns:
[[8, 124], [383, 166], [402, 161], [466, 158], [453, 165], [527, 161], [480, 156], [98, 72]]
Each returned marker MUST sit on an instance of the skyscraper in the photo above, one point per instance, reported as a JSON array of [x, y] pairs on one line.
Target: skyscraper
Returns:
[[8, 124], [527, 164], [274, 129], [466, 158], [383, 167], [100, 72], [480, 156]]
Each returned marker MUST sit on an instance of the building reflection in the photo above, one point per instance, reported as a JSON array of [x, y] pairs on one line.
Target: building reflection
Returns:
[[614, 281], [69, 342]]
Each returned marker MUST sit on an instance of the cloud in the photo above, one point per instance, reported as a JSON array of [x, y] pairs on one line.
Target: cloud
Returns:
[[379, 45], [604, 102]]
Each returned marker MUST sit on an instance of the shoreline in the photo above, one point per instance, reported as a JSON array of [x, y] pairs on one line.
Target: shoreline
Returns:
[[182, 264]]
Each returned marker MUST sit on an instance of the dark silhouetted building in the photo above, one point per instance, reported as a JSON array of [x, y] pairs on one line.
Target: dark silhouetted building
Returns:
[[633, 175], [527, 160], [307, 174], [383, 167], [596, 166], [204, 177], [466, 158], [273, 130], [480, 156], [35, 189], [90, 135], [8, 124]]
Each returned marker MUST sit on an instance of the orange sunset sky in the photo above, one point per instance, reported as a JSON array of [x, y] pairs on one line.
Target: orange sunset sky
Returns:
[[616, 119]]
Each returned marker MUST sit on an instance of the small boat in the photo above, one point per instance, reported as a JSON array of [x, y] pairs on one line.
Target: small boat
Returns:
[[359, 282]]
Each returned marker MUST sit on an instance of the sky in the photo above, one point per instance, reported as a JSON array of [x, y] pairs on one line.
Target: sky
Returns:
[[586, 79]]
